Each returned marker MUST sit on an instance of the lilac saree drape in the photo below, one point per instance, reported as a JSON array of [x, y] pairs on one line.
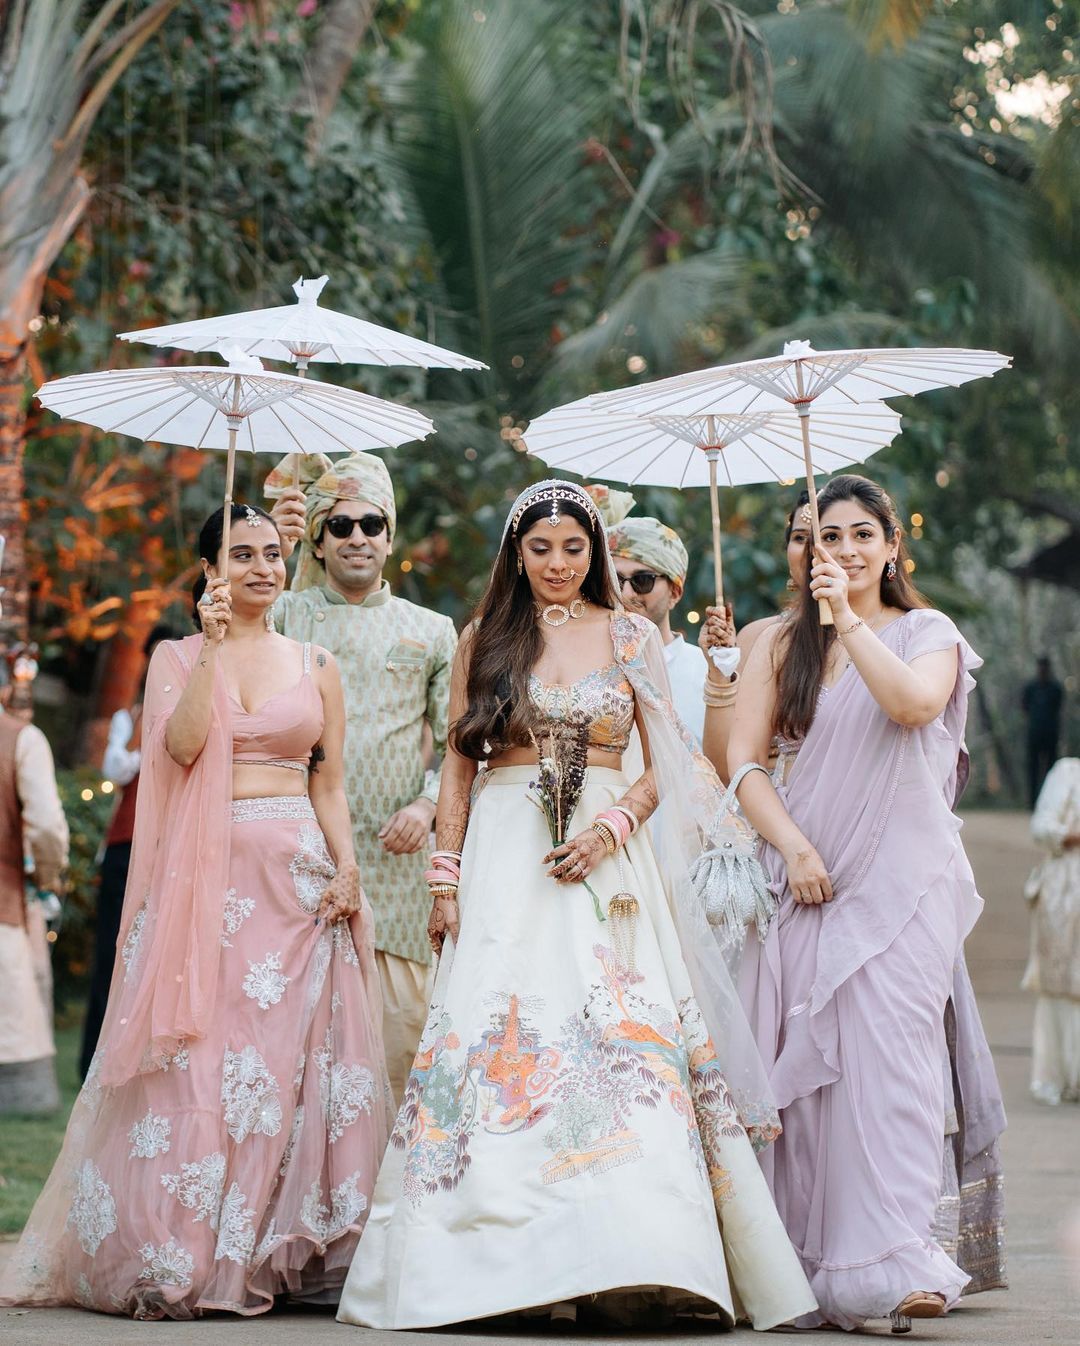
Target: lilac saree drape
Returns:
[[848, 1000]]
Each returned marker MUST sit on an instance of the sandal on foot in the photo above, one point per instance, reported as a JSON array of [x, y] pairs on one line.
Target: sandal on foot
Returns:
[[919, 1304]]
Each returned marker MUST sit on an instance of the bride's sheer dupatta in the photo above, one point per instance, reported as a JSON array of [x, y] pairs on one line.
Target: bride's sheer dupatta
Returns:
[[691, 796]]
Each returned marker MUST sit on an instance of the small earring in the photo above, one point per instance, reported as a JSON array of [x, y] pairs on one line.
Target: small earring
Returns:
[[520, 563], [791, 585], [268, 617], [890, 571]]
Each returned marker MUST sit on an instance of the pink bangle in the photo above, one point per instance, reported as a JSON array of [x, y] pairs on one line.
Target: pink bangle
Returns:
[[617, 823], [630, 817], [620, 822], [441, 876]]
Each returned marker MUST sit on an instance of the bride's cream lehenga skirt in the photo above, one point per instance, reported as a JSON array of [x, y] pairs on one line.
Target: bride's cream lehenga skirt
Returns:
[[567, 1131]]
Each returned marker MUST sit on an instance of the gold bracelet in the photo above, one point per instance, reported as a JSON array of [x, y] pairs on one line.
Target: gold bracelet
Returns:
[[606, 835], [446, 890], [853, 627]]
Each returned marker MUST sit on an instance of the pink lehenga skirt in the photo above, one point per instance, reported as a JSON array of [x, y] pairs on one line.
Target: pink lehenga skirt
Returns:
[[243, 1169]]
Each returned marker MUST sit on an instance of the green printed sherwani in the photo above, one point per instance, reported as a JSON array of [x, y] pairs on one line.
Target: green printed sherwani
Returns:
[[395, 660]]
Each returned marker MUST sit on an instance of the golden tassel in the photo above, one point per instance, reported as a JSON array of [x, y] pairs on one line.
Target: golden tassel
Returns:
[[622, 915]]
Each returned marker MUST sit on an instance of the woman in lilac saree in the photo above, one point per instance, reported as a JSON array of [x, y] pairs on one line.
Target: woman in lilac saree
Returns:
[[848, 993]]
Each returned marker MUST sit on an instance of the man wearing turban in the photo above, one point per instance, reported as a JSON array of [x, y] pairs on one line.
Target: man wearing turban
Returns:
[[651, 562], [395, 659]]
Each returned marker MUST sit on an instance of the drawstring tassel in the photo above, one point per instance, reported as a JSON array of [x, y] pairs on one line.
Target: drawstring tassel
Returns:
[[622, 917]]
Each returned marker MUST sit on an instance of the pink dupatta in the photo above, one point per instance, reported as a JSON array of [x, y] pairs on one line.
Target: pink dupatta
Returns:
[[165, 979]]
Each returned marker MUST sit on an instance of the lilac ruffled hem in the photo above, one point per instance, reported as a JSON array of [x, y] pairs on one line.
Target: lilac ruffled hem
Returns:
[[879, 1285]]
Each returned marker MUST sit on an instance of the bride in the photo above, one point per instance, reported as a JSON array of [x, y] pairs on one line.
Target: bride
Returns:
[[581, 1118]]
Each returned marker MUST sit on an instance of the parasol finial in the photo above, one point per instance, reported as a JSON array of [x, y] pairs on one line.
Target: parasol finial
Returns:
[[241, 362], [308, 291]]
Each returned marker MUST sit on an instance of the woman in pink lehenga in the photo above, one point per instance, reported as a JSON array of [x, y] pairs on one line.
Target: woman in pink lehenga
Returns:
[[225, 1144], [848, 993]]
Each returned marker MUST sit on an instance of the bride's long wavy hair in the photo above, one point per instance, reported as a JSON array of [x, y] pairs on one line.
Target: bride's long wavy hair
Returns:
[[804, 644], [507, 642]]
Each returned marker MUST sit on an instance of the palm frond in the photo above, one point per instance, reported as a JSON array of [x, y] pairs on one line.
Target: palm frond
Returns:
[[653, 319], [681, 25], [506, 225]]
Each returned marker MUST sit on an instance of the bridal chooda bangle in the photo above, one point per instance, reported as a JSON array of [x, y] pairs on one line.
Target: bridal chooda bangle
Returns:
[[606, 835]]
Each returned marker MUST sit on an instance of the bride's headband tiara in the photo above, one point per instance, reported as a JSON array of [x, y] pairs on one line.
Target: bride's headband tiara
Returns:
[[552, 493]]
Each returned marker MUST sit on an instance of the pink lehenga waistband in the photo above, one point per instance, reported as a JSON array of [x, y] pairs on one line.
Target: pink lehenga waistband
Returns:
[[273, 807]]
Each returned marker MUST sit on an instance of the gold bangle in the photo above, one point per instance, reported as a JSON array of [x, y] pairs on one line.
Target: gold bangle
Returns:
[[606, 835]]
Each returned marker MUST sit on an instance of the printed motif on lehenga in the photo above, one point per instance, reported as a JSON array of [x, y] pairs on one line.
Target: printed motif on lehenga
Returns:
[[618, 1054]]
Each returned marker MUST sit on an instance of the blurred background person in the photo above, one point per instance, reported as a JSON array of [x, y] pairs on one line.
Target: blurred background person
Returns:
[[34, 848], [121, 766], [1041, 700], [1053, 970], [718, 629], [651, 562]]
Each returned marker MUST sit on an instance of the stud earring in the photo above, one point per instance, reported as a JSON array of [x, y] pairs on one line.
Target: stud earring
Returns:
[[890, 571]]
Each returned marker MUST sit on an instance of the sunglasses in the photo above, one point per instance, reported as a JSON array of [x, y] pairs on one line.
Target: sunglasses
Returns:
[[341, 525], [642, 581]]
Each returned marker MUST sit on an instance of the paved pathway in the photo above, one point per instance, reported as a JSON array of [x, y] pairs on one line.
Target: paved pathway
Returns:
[[1042, 1158]]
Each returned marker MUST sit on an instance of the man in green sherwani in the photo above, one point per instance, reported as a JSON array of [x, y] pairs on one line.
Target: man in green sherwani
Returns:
[[395, 660]]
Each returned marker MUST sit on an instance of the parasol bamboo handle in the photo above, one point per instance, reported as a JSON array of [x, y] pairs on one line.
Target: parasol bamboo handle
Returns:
[[301, 373], [714, 505], [226, 522], [825, 617], [232, 418]]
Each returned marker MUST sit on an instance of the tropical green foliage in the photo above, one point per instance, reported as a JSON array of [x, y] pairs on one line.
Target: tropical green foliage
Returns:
[[581, 197]]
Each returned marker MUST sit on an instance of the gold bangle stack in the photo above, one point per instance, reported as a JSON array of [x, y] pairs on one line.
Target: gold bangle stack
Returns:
[[606, 835], [718, 698], [445, 890]]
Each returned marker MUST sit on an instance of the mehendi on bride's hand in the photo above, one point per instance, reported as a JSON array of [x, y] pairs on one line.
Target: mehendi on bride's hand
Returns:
[[576, 858], [445, 919], [641, 798]]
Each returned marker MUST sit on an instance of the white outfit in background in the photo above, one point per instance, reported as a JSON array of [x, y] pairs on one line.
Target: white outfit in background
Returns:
[[687, 668], [1053, 969]]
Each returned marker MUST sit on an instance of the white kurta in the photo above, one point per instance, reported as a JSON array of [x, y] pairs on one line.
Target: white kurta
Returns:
[[1053, 969], [687, 668]]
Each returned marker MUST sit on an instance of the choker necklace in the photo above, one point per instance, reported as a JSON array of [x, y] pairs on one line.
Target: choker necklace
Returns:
[[558, 614]]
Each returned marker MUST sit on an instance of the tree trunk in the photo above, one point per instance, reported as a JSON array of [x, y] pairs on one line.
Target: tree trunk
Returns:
[[337, 43], [14, 577], [121, 685]]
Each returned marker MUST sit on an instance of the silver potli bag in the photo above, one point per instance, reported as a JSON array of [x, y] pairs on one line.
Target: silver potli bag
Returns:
[[729, 879]]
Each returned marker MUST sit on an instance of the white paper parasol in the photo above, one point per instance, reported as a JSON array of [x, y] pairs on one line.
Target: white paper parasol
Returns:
[[808, 381], [303, 332], [680, 451], [239, 406]]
